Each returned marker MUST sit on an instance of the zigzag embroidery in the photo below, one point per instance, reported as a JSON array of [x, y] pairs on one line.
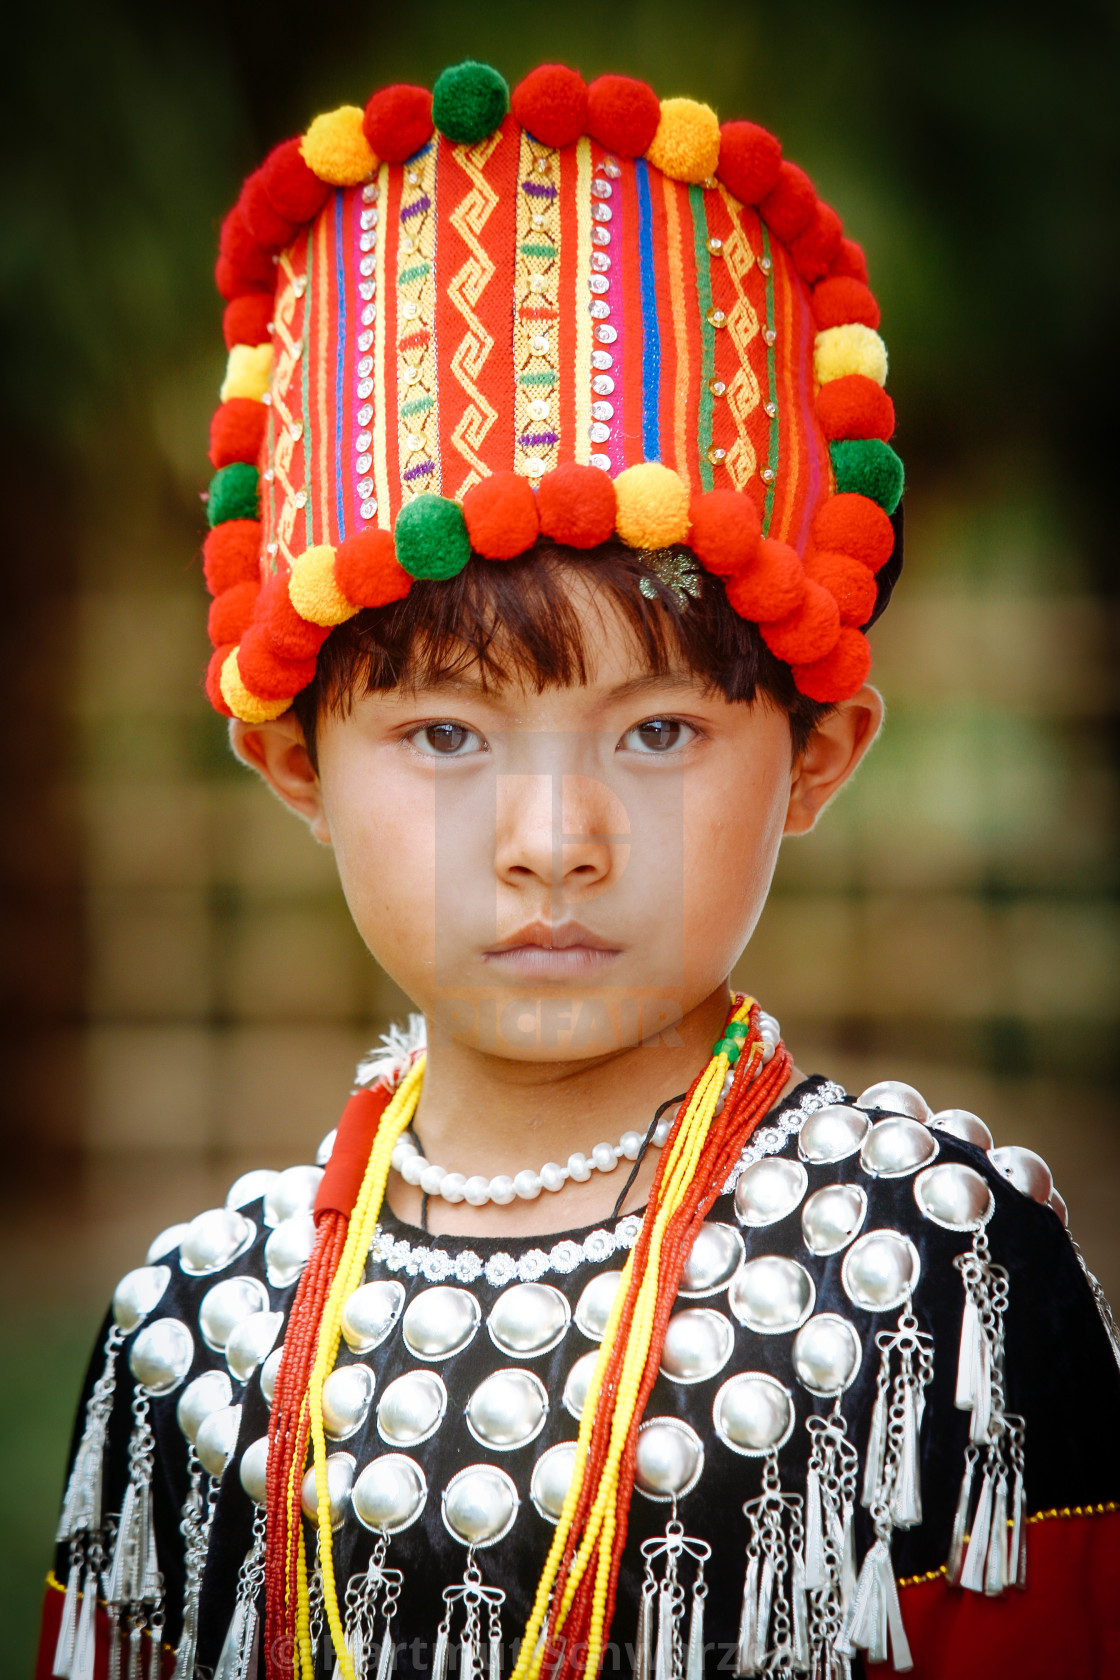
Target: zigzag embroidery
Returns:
[[464, 289], [743, 393]]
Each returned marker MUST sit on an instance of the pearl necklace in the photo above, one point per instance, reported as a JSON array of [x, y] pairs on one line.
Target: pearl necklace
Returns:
[[435, 1180]]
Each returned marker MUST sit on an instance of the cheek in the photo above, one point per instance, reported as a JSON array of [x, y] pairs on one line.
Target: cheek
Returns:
[[383, 832], [732, 835]]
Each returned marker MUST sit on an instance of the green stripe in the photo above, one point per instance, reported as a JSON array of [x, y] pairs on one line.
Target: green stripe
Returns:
[[544, 377], [418, 405], [547, 252], [415, 271], [707, 331], [772, 380]]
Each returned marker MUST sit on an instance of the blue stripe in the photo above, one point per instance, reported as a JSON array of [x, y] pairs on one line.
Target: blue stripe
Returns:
[[340, 406], [651, 337]]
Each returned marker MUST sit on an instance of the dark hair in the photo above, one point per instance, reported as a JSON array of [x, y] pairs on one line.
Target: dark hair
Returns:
[[516, 619]]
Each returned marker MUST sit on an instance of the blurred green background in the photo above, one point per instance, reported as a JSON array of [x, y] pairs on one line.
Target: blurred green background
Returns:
[[183, 993]]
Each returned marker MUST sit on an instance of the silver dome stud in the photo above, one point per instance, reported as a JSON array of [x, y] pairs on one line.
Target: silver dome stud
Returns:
[[326, 1148], [213, 1240], [880, 1270], [669, 1460], [161, 1355], [390, 1493], [831, 1217], [771, 1295], [340, 1479], [507, 1410], [294, 1191], [207, 1393], [961, 1123], [716, 1255], [347, 1398], [593, 1308], [551, 1479], [579, 1380], [753, 1414], [954, 1196], [370, 1313], [251, 1187], [698, 1342], [138, 1293], [166, 1243], [288, 1249], [253, 1470], [411, 1408], [1058, 1203], [769, 1190], [440, 1321], [827, 1353], [250, 1342], [893, 1097], [1024, 1169], [216, 1440], [528, 1319], [270, 1370], [226, 1305], [832, 1134], [479, 1505], [896, 1147]]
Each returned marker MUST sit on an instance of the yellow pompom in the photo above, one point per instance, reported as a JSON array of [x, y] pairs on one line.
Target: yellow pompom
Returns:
[[313, 591], [248, 372], [241, 703], [686, 145], [335, 149], [652, 506], [851, 349]]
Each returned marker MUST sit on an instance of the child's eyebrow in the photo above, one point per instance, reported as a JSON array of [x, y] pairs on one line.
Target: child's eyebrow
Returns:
[[474, 688]]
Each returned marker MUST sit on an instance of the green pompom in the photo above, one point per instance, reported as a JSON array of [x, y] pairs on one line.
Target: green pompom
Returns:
[[869, 468], [234, 494], [431, 537], [469, 101]]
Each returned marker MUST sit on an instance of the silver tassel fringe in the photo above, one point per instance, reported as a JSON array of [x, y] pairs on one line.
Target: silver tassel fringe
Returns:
[[773, 1628], [665, 1651]]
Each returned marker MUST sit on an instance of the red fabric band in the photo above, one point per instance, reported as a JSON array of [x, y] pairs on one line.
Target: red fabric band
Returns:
[[350, 1156]]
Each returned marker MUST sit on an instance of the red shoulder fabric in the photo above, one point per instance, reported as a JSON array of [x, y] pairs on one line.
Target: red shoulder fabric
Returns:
[[1067, 1622], [350, 1156], [53, 1600]]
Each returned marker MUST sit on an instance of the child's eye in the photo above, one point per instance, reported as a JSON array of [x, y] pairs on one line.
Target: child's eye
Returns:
[[657, 735], [447, 740]]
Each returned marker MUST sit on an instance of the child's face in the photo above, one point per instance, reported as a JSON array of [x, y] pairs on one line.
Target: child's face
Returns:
[[553, 876]]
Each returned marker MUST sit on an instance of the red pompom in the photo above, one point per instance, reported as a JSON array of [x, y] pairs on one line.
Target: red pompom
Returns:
[[243, 265], [267, 676], [552, 104], [232, 554], [817, 244], [577, 505], [213, 680], [749, 160], [264, 222], [771, 585], [296, 192], [236, 431], [841, 299], [501, 516], [398, 121], [848, 581], [841, 673], [287, 634], [622, 114], [850, 261], [855, 525], [789, 204], [231, 613], [368, 572], [855, 407], [807, 633], [246, 318], [725, 531]]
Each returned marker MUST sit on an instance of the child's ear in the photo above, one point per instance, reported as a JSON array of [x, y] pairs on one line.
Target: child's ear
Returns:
[[831, 754], [278, 753]]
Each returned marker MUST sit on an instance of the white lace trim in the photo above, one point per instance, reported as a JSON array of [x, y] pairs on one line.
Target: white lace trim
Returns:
[[772, 1138]]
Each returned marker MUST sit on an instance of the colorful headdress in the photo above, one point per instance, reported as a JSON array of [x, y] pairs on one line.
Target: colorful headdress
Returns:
[[459, 322]]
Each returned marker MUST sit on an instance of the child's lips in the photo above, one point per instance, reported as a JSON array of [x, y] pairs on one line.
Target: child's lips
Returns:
[[552, 950]]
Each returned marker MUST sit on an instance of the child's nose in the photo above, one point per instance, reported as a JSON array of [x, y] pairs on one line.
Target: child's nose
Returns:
[[566, 830]]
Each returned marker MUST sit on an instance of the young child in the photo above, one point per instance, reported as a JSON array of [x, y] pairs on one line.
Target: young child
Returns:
[[553, 500]]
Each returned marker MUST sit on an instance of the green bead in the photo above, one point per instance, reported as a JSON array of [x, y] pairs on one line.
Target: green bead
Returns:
[[234, 494], [729, 1047], [871, 468], [737, 1029], [431, 537], [469, 101]]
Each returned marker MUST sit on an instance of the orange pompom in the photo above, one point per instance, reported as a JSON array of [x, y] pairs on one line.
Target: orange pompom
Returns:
[[855, 525], [841, 673], [726, 530], [245, 319], [850, 261], [231, 613], [367, 570], [232, 554], [790, 203], [213, 679], [848, 581], [771, 586], [749, 161], [500, 513], [841, 299], [622, 114], [855, 407], [237, 431], [551, 103], [817, 244], [264, 222], [577, 506], [288, 635], [266, 675], [398, 121], [807, 633]]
